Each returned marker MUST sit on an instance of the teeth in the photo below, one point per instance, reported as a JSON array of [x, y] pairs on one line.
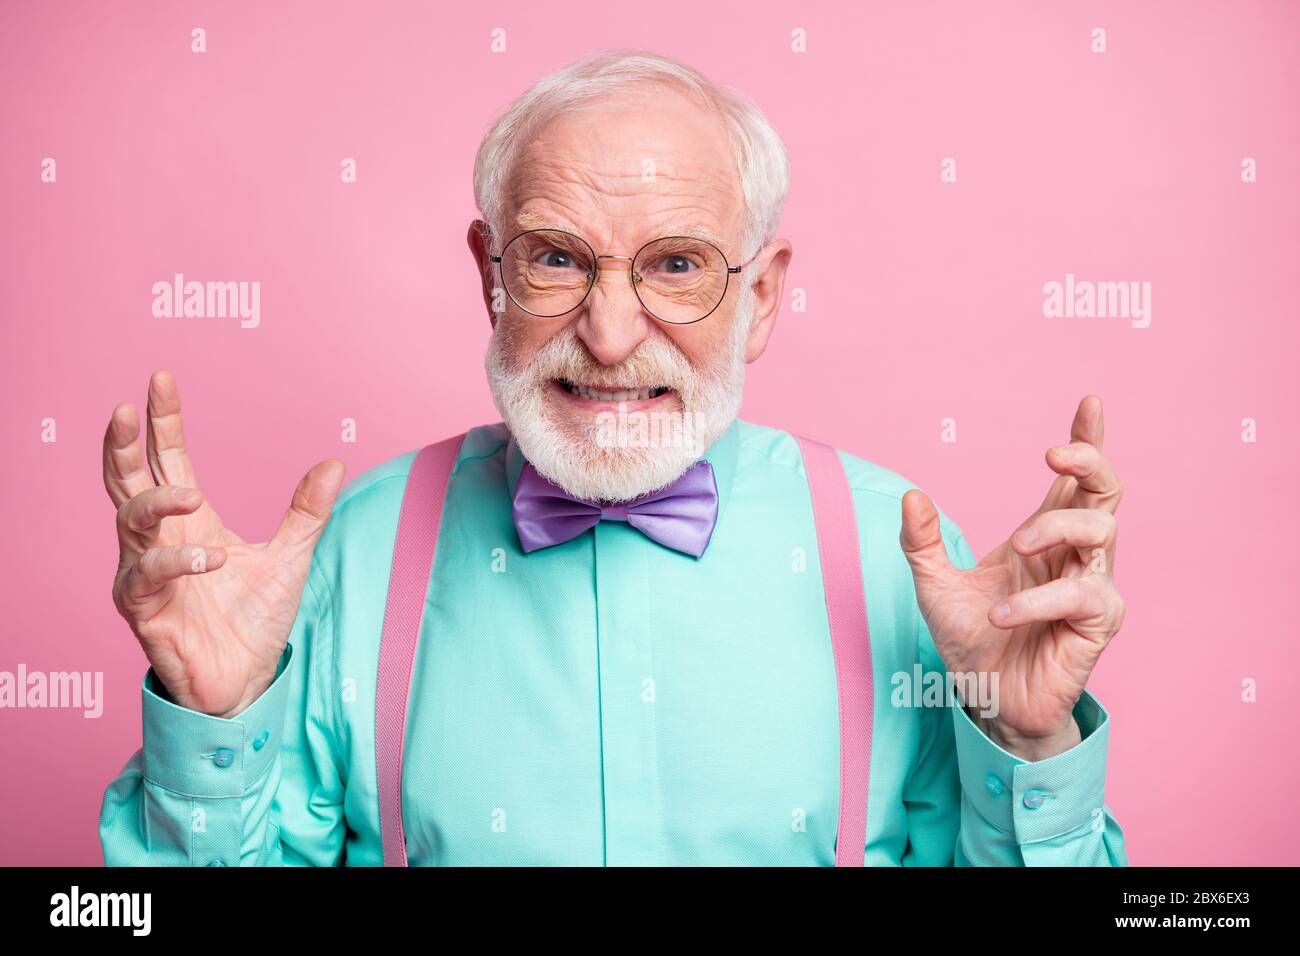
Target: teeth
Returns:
[[613, 395]]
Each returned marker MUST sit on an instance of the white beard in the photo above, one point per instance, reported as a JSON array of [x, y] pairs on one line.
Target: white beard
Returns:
[[589, 465]]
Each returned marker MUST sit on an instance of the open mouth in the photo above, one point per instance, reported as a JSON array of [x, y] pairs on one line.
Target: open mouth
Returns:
[[606, 394]]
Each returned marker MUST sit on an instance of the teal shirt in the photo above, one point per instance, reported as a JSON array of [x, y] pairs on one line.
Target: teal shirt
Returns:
[[606, 701]]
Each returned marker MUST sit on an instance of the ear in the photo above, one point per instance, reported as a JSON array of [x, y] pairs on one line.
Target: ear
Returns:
[[479, 238], [769, 282]]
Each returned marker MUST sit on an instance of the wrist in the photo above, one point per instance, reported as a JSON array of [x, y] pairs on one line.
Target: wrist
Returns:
[[1030, 747], [252, 692]]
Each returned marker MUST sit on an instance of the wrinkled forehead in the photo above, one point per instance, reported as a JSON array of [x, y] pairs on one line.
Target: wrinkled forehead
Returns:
[[625, 166]]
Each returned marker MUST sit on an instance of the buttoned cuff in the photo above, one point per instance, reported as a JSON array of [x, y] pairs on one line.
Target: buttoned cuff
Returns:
[[198, 755], [1041, 799]]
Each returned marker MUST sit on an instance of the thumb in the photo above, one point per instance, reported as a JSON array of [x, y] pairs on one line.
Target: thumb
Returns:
[[921, 538], [312, 501]]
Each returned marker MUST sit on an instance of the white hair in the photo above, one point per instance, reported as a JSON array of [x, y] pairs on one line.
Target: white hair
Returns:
[[761, 159]]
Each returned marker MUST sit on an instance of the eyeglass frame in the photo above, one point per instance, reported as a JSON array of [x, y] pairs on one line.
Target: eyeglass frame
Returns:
[[631, 273]]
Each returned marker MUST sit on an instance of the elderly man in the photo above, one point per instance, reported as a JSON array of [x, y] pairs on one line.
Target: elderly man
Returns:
[[622, 626]]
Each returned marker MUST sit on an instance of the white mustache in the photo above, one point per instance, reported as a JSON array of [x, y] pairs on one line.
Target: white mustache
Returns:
[[654, 363]]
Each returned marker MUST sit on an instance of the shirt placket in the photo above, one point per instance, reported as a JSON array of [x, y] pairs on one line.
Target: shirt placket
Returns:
[[628, 695]]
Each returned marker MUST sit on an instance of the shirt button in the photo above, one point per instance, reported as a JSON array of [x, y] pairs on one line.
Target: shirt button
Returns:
[[216, 863], [224, 757], [1034, 798], [993, 785], [260, 740]]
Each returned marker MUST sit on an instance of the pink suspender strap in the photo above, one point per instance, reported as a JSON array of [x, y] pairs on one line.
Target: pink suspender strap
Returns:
[[846, 609], [408, 585]]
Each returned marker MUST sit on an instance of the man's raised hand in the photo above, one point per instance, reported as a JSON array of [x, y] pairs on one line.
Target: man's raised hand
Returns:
[[212, 612], [1039, 608]]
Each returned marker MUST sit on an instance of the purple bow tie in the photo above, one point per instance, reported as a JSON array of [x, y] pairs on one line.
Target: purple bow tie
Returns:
[[680, 516]]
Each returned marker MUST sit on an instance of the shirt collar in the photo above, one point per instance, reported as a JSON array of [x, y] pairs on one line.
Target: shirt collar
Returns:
[[721, 455]]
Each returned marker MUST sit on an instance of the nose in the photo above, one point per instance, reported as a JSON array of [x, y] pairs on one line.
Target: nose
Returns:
[[613, 323]]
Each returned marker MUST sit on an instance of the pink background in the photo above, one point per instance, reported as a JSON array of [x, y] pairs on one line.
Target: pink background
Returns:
[[924, 303]]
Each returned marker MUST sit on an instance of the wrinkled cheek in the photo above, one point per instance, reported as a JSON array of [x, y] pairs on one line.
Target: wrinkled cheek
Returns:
[[513, 344]]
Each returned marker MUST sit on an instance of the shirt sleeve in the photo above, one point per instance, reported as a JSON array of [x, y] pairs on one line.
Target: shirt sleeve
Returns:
[[1007, 811], [1042, 813], [258, 789]]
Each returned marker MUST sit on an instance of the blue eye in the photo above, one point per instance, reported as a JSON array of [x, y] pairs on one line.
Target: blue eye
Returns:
[[675, 265], [555, 259]]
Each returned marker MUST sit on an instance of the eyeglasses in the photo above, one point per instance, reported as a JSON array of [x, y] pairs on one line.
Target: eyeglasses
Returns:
[[679, 279]]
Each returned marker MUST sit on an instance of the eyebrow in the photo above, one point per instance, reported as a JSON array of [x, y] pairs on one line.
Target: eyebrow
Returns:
[[695, 230]]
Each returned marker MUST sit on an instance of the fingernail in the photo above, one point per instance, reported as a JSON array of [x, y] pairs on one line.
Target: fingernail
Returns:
[[1001, 612], [1027, 536]]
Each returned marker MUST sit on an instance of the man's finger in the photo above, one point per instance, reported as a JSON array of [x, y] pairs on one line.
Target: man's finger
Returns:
[[1089, 602], [140, 519], [166, 436], [1097, 485], [125, 473], [921, 537], [159, 566], [1077, 527], [1088, 425], [311, 504]]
